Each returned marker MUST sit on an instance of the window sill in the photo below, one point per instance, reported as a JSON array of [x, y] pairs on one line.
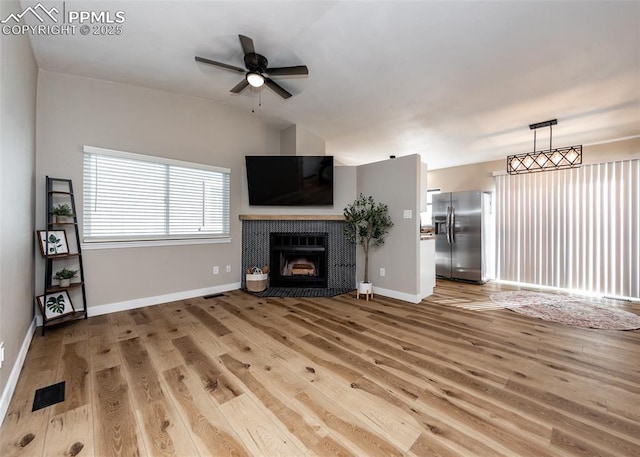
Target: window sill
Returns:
[[91, 246]]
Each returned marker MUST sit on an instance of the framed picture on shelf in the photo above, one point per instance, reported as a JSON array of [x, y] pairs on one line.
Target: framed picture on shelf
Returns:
[[56, 244], [55, 305]]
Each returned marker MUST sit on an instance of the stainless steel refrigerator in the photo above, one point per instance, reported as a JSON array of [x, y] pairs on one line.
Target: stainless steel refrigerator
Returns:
[[463, 229]]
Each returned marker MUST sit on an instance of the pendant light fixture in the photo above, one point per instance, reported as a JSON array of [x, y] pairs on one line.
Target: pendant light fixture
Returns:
[[553, 159]]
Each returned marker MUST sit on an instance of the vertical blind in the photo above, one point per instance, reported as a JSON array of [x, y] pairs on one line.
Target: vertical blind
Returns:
[[130, 197], [575, 229]]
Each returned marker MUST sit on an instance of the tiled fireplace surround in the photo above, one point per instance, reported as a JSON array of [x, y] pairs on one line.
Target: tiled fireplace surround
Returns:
[[341, 254]]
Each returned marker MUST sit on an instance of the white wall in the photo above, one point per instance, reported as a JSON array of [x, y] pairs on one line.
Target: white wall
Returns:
[[75, 111], [288, 141], [296, 140], [18, 83], [308, 144], [395, 182]]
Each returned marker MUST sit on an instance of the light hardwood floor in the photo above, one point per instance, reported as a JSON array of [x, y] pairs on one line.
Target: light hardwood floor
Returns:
[[241, 375]]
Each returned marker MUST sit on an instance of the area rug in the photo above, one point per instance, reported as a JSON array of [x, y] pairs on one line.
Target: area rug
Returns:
[[567, 310]]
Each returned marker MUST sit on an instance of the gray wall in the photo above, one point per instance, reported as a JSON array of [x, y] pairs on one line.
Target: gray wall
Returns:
[[75, 111], [395, 182], [18, 83]]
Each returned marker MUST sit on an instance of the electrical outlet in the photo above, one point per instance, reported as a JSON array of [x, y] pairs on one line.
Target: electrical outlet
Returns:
[[383, 272], [228, 268], [1, 354], [216, 270]]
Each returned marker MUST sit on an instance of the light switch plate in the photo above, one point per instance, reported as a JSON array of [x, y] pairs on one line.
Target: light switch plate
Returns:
[[408, 214]]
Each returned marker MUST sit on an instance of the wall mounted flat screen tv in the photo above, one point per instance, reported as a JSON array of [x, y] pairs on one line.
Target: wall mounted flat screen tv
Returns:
[[290, 180]]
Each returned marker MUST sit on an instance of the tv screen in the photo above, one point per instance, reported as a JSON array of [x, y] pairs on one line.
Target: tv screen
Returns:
[[290, 180]]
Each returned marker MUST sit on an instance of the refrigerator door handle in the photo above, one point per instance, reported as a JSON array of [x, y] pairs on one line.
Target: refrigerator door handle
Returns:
[[448, 230], [452, 226]]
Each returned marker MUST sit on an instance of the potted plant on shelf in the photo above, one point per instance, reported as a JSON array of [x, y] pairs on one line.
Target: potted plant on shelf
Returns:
[[367, 223], [64, 276], [61, 213]]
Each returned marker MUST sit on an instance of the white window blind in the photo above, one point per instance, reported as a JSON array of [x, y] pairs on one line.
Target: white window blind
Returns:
[[573, 229], [133, 197]]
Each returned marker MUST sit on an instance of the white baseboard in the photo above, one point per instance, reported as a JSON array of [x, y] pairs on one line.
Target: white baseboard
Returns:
[[158, 299], [155, 300], [12, 382], [426, 293], [397, 295]]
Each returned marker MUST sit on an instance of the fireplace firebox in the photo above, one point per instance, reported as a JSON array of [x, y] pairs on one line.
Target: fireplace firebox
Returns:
[[298, 259]]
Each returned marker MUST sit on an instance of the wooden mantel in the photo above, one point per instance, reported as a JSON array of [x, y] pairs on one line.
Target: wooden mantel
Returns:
[[291, 217]]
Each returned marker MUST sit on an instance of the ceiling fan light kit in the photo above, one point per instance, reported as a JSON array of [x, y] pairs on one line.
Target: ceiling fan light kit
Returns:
[[255, 79], [257, 67], [553, 159]]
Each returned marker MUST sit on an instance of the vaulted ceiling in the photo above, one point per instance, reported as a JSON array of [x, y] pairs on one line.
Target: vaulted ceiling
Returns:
[[457, 82]]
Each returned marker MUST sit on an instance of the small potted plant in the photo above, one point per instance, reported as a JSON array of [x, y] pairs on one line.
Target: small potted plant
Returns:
[[64, 276], [62, 213], [367, 223]]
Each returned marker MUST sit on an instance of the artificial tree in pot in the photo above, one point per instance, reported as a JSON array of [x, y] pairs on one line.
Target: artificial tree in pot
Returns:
[[367, 223]]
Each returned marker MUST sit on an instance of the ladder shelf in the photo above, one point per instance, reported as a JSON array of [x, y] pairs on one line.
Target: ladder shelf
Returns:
[[56, 304]]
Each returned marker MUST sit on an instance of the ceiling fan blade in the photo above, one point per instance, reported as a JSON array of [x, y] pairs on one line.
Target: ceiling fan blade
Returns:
[[276, 88], [220, 64], [282, 71], [240, 86], [247, 44]]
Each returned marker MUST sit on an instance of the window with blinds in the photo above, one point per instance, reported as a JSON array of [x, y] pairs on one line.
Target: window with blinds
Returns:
[[134, 197], [574, 229]]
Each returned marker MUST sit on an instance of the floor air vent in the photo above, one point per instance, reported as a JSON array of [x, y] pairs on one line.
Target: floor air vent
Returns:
[[207, 297], [48, 396]]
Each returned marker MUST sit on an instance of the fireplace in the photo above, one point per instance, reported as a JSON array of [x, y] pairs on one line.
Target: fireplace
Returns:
[[340, 254], [298, 259]]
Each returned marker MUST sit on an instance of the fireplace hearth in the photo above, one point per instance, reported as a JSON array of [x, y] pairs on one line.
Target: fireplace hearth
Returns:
[[298, 259]]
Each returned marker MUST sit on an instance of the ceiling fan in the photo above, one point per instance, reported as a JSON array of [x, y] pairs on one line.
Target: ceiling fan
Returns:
[[257, 72]]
